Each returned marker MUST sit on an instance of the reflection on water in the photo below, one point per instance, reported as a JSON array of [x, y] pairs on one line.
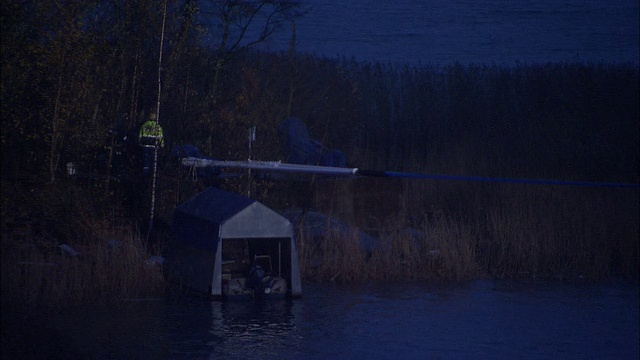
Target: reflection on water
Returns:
[[483, 319], [255, 328], [233, 329]]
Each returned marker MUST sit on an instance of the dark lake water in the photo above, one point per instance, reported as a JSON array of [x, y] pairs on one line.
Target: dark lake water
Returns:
[[482, 319], [467, 31]]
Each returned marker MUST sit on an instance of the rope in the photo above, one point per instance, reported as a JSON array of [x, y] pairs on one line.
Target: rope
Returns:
[[193, 173]]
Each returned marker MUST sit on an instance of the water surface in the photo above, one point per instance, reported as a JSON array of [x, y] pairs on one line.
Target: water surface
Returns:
[[467, 31], [483, 319]]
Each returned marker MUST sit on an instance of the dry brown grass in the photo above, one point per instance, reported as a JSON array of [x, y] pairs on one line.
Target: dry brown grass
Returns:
[[336, 257], [43, 275], [507, 231], [561, 233], [444, 252]]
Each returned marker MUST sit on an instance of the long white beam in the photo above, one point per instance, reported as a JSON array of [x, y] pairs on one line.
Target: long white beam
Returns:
[[270, 166], [277, 166]]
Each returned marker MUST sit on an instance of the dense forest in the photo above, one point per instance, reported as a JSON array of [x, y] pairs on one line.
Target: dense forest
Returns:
[[79, 78]]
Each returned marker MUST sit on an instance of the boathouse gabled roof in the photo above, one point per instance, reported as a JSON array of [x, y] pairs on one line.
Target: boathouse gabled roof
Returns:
[[217, 214]]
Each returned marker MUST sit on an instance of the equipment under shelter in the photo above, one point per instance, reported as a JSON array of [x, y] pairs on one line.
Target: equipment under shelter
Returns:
[[227, 245]]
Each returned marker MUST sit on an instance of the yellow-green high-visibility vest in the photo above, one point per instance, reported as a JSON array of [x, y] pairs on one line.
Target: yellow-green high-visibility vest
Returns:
[[149, 132]]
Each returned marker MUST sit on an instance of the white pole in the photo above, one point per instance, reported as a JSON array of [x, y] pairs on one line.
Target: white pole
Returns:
[[252, 138], [280, 258], [155, 152]]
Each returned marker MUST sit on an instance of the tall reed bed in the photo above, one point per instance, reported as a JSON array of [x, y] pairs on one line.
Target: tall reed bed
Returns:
[[110, 266], [335, 256], [440, 251], [443, 252], [548, 120], [557, 232], [489, 230]]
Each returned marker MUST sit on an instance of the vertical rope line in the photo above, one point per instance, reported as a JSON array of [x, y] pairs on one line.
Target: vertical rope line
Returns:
[[155, 155]]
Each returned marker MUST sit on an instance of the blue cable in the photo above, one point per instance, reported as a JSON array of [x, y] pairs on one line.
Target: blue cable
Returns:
[[375, 173]]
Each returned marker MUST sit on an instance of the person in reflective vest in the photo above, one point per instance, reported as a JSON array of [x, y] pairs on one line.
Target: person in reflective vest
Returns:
[[150, 136]]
